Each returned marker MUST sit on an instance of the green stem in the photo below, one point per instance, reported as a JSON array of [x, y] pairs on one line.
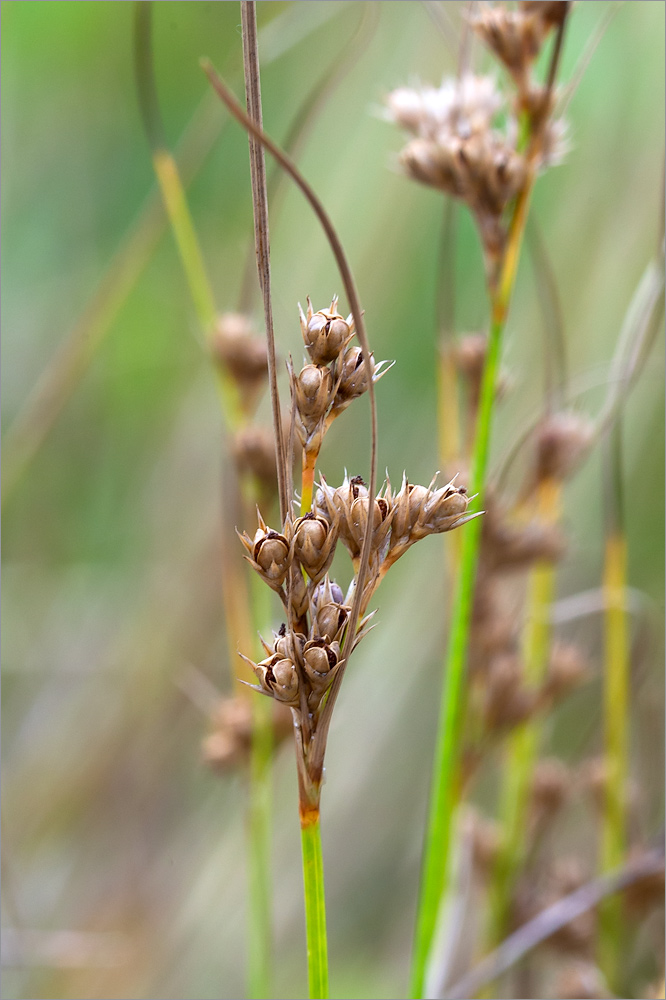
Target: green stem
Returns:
[[315, 904], [444, 792], [259, 853]]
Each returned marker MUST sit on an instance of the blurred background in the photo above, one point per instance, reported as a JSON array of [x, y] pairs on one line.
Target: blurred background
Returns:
[[123, 854]]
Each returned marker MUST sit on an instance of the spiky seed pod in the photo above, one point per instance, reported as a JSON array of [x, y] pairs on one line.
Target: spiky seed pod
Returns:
[[328, 591], [314, 391], [363, 509], [513, 546], [442, 510], [353, 381], [550, 787], [406, 509], [325, 333], [313, 543], [254, 453], [507, 701], [515, 37], [485, 838], [566, 670], [236, 346], [338, 504], [230, 743], [329, 621], [464, 105], [551, 12], [562, 441], [298, 598], [269, 554], [278, 678], [288, 645], [321, 661]]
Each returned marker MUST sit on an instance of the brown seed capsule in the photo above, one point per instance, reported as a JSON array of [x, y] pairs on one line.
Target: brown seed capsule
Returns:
[[329, 621], [236, 346], [321, 662], [485, 838], [326, 332], [284, 681], [442, 510], [362, 509], [553, 12], [353, 380], [566, 670], [254, 453], [507, 700], [269, 554], [314, 544], [550, 787], [562, 442], [337, 504], [515, 37]]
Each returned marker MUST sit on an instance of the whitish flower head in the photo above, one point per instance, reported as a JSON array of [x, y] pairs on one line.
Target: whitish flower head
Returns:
[[460, 107]]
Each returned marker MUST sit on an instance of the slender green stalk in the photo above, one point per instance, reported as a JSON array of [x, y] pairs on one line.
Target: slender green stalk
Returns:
[[444, 794], [259, 853], [315, 905]]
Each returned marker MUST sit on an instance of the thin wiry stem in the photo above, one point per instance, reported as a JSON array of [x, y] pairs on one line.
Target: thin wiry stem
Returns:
[[261, 233], [551, 920], [304, 118], [349, 284]]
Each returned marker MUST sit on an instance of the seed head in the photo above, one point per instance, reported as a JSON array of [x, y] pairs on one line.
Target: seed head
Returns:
[[463, 106], [326, 332], [321, 661], [314, 391], [244, 354], [254, 453], [562, 442], [551, 12], [514, 36], [566, 670], [268, 554], [353, 380], [313, 543]]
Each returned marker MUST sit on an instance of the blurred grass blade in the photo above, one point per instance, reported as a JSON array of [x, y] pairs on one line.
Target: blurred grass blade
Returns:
[[53, 389]]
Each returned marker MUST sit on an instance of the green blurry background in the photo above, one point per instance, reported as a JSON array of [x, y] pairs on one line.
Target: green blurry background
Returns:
[[111, 607]]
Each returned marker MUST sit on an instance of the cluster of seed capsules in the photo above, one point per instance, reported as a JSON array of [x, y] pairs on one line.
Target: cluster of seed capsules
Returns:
[[466, 141], [305, 655]]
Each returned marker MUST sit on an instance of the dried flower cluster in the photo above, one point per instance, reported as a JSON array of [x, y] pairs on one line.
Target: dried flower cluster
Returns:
[[305, 655], [468, 137]]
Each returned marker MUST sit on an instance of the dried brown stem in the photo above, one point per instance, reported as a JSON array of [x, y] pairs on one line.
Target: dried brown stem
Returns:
[[261, 233]]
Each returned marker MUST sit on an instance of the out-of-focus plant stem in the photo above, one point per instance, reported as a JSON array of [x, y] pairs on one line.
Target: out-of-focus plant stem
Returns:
[[615, 703], [523, 744], [239, 611], [444, 796]]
